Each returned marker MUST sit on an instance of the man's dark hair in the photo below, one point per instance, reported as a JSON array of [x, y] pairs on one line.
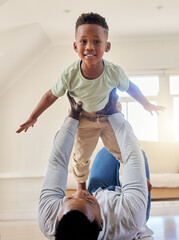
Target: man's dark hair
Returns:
[[75, 225], [91, 18]]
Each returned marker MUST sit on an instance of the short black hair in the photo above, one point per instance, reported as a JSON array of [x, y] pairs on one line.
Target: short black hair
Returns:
[[75, 225], [91, 18]]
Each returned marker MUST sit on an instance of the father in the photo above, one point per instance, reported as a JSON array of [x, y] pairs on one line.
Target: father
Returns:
[[111, 212]]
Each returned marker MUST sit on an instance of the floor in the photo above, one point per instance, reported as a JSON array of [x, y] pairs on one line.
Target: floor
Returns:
[[164, 227]]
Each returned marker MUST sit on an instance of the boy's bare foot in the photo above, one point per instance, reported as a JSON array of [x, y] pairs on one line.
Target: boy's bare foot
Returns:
[[82, 186]]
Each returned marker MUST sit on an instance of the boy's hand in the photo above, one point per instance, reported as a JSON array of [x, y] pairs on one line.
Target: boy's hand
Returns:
[[29, 123], [111, 106], [153, 108], [76, 108]]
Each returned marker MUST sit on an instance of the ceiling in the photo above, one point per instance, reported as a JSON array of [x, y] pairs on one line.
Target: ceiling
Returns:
[[126, 18], [29, 27]]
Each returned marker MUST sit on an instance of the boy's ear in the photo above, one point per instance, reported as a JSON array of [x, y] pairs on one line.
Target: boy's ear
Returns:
[[75, 47], [108, 47]]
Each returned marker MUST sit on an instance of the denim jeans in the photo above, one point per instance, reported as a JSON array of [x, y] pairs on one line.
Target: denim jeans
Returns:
[[105, 174]]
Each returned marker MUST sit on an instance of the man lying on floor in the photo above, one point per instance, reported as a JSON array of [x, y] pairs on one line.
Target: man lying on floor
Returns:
[[110, 212]]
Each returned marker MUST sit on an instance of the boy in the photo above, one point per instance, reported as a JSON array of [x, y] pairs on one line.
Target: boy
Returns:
[[90, 81]]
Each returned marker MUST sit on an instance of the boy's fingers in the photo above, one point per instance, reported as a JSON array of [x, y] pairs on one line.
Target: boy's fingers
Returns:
[[19, 130]]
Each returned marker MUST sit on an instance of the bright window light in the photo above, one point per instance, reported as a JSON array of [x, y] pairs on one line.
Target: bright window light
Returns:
[[176, 117], [149, 85], [174, 85], [144, 125]]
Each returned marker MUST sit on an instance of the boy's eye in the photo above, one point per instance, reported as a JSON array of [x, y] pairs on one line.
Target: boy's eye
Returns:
[[96, 41], [83, 41]]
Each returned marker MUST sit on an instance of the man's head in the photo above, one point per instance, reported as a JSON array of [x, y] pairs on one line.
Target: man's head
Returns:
[[91, 33], [79, 216]]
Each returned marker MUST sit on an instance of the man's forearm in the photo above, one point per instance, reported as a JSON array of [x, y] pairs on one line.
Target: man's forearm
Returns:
[[57, 172], [56, 177], [133, 169]]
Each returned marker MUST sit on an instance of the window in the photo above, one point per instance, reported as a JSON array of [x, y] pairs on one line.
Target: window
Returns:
[[174, 92], [143, 124], [174, 85], [160, 89], [176, 118], [148, 84]]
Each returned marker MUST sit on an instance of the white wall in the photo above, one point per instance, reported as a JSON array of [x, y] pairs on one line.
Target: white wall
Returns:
[[138, 54], [26, 154]]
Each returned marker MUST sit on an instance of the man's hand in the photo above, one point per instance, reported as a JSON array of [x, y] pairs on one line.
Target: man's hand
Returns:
[[29, 123], [149, 185], [111, 106], [153, 108], [76, 108]]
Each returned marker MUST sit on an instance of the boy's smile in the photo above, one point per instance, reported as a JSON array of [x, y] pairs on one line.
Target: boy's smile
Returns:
[[91, 43]]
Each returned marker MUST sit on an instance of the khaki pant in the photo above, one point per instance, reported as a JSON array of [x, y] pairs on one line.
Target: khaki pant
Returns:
[[89, 130]]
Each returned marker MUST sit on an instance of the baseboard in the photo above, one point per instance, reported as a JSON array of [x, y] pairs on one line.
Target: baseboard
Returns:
[[165, 208]]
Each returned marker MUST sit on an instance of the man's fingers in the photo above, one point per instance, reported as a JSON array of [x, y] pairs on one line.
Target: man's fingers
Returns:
[[71, 99]]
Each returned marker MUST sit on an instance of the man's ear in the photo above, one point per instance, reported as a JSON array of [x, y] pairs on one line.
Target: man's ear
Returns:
[[108, 47], [101, 224], [75, 47]]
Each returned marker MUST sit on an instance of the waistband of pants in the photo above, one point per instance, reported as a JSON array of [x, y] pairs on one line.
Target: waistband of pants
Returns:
[[100, 118]]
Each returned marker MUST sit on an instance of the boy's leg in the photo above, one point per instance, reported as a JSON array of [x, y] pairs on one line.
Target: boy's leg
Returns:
[[109, 140], [148, 176], [86, 139], [104, 171]]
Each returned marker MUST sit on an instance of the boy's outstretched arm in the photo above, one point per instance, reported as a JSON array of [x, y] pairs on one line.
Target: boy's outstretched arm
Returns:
[[135, 92], [47, 100]]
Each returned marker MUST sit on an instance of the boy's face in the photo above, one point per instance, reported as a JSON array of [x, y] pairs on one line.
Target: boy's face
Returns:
[[91, 43]]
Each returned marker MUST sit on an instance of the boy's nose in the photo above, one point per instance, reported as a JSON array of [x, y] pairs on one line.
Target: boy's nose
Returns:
[[90, 46]]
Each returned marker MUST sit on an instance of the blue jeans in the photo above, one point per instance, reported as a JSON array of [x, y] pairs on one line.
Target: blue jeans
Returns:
[[105, 174]]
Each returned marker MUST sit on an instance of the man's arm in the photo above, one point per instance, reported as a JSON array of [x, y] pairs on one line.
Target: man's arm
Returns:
[[47, 100], [135, 92], [56, 176], [134, 184], [54, 185]]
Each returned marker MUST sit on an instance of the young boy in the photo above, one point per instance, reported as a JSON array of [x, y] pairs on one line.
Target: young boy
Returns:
[[90, 81]]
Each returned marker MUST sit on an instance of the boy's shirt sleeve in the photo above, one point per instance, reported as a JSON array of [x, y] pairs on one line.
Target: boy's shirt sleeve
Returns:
[[63, 82], [123, 84], [59, 88]]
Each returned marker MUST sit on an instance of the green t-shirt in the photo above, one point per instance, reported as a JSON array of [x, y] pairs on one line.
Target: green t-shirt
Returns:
[[94, 94]]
